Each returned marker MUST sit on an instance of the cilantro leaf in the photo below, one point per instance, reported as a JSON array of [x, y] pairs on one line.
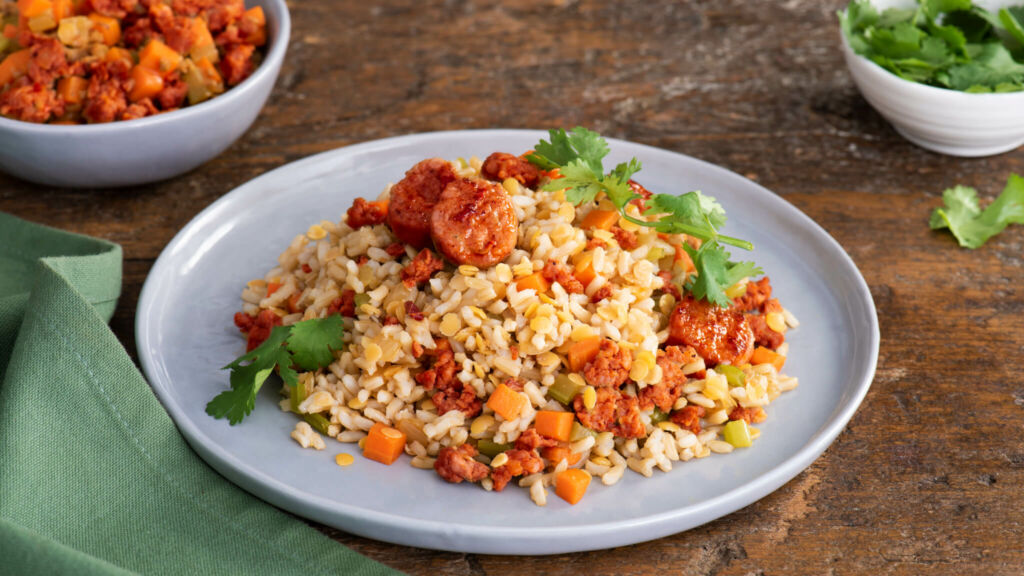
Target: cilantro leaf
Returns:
[[307, 344], [579, 144], [579, 182], [313, 341], [715, 273], [973, 226]]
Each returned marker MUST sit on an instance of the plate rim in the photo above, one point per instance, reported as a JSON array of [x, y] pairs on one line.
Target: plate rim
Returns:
[[441, 535]]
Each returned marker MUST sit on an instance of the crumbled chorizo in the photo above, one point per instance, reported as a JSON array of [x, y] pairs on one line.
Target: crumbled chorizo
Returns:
[[363, 213], [391, 321], [223, 12], [515, 384], [754, 415], [717, 334], [668, 286], [237, 64], [138, 32], [519, 462], [610, 367], [459, 397], [48, 61], [613, 412], [595, 243], [665, 393], [140, 109], [106, 96], [113, 8], [344, 305], [455, 464], [30, 101], [530, 439], [451, 394], [396, 250], [260, 329], [421, 268], [763, 335], [172, 95], [442, 368], [688, 417], [413, 311], [561, 274], [501, 165], [605, 291], [626, 239], [754, 298]]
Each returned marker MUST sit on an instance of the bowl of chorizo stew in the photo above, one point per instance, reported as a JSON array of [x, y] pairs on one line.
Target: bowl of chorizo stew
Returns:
[[109, 93]]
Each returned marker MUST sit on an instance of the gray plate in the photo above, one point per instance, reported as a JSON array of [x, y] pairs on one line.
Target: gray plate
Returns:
[[185, 334]]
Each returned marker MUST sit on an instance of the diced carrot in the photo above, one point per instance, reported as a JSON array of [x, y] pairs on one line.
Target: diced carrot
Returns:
[[116, 53], [72, 89], [202, 45], [108, 27], [159, 57], [15, 65], [603, 219], [506, 402], [571, 484], [555, 454], [554, 424], [384, 444], [534, 281], [293, 302], [272, 287], [62, 9], [585, 272], [582, 352], [148, 83], [259, 20], [32, 8], [764, 355]]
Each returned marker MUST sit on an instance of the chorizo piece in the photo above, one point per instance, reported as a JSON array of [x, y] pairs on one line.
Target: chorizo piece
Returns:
[[763, 335], [502, 165], [519, 462], [610, 367], [474, 223], [413, 198], [688, 417], [561, 274], [755, 297], [456, 464], [421, 268], [613, 412], [717, 334], [363, 213]]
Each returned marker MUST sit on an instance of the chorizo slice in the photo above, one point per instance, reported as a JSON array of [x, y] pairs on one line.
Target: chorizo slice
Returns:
[[717, 334], [474, 223], [502, 165], [413, 198]]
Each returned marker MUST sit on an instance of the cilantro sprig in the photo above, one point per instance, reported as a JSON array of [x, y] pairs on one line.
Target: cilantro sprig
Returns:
[[306, 345], [578, 155], [973, 226], [945, 43]]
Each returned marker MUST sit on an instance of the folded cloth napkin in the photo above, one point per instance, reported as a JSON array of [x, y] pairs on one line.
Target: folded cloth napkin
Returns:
[[94, 477]]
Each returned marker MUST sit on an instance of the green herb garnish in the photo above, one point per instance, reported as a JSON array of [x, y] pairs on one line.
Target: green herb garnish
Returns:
[[306, 345], [973, 226], [578, 155], [945, 43]]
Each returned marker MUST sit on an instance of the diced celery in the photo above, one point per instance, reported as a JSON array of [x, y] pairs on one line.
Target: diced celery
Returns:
[[658, 416], [491, 449], [361, 299], [579, 432], [733, 375], [564, 389], [737, 433], [318, 422], [198, 91]]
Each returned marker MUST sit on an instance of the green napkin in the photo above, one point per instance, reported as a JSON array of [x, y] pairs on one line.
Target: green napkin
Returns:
[[94, 477]]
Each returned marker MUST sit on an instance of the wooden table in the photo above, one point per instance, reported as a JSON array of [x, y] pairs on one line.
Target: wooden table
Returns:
[[927, 477]]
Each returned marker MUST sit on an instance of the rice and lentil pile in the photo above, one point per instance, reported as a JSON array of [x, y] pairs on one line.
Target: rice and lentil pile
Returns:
[[572, 347]]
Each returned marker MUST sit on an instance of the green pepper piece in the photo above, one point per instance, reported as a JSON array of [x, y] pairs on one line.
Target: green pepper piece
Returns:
[[318, 422], [564, 389], [360, 299], [299, 394], [579, 432], [491, 449], [658, 416], [737, 433], [733, 375]]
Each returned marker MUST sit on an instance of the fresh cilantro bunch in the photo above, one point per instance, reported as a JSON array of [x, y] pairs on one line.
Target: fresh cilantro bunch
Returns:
[[945, 43], [578, 155], [973, 226], [306, 345]]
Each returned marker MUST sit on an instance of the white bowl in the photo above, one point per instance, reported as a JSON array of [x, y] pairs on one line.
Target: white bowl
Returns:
[[941, 120], [148, 149]]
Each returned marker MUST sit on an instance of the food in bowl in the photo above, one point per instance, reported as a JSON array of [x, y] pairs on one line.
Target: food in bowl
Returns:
[[525, 318], [96, 61], [955, 45]]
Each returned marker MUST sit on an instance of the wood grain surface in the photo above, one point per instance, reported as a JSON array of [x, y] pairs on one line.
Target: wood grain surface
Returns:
[[927, 478]]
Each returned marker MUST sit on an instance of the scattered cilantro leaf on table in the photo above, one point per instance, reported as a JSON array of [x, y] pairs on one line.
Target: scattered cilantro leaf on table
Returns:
[[578, 156], [950, 44], [973, 226], [308, 345]]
